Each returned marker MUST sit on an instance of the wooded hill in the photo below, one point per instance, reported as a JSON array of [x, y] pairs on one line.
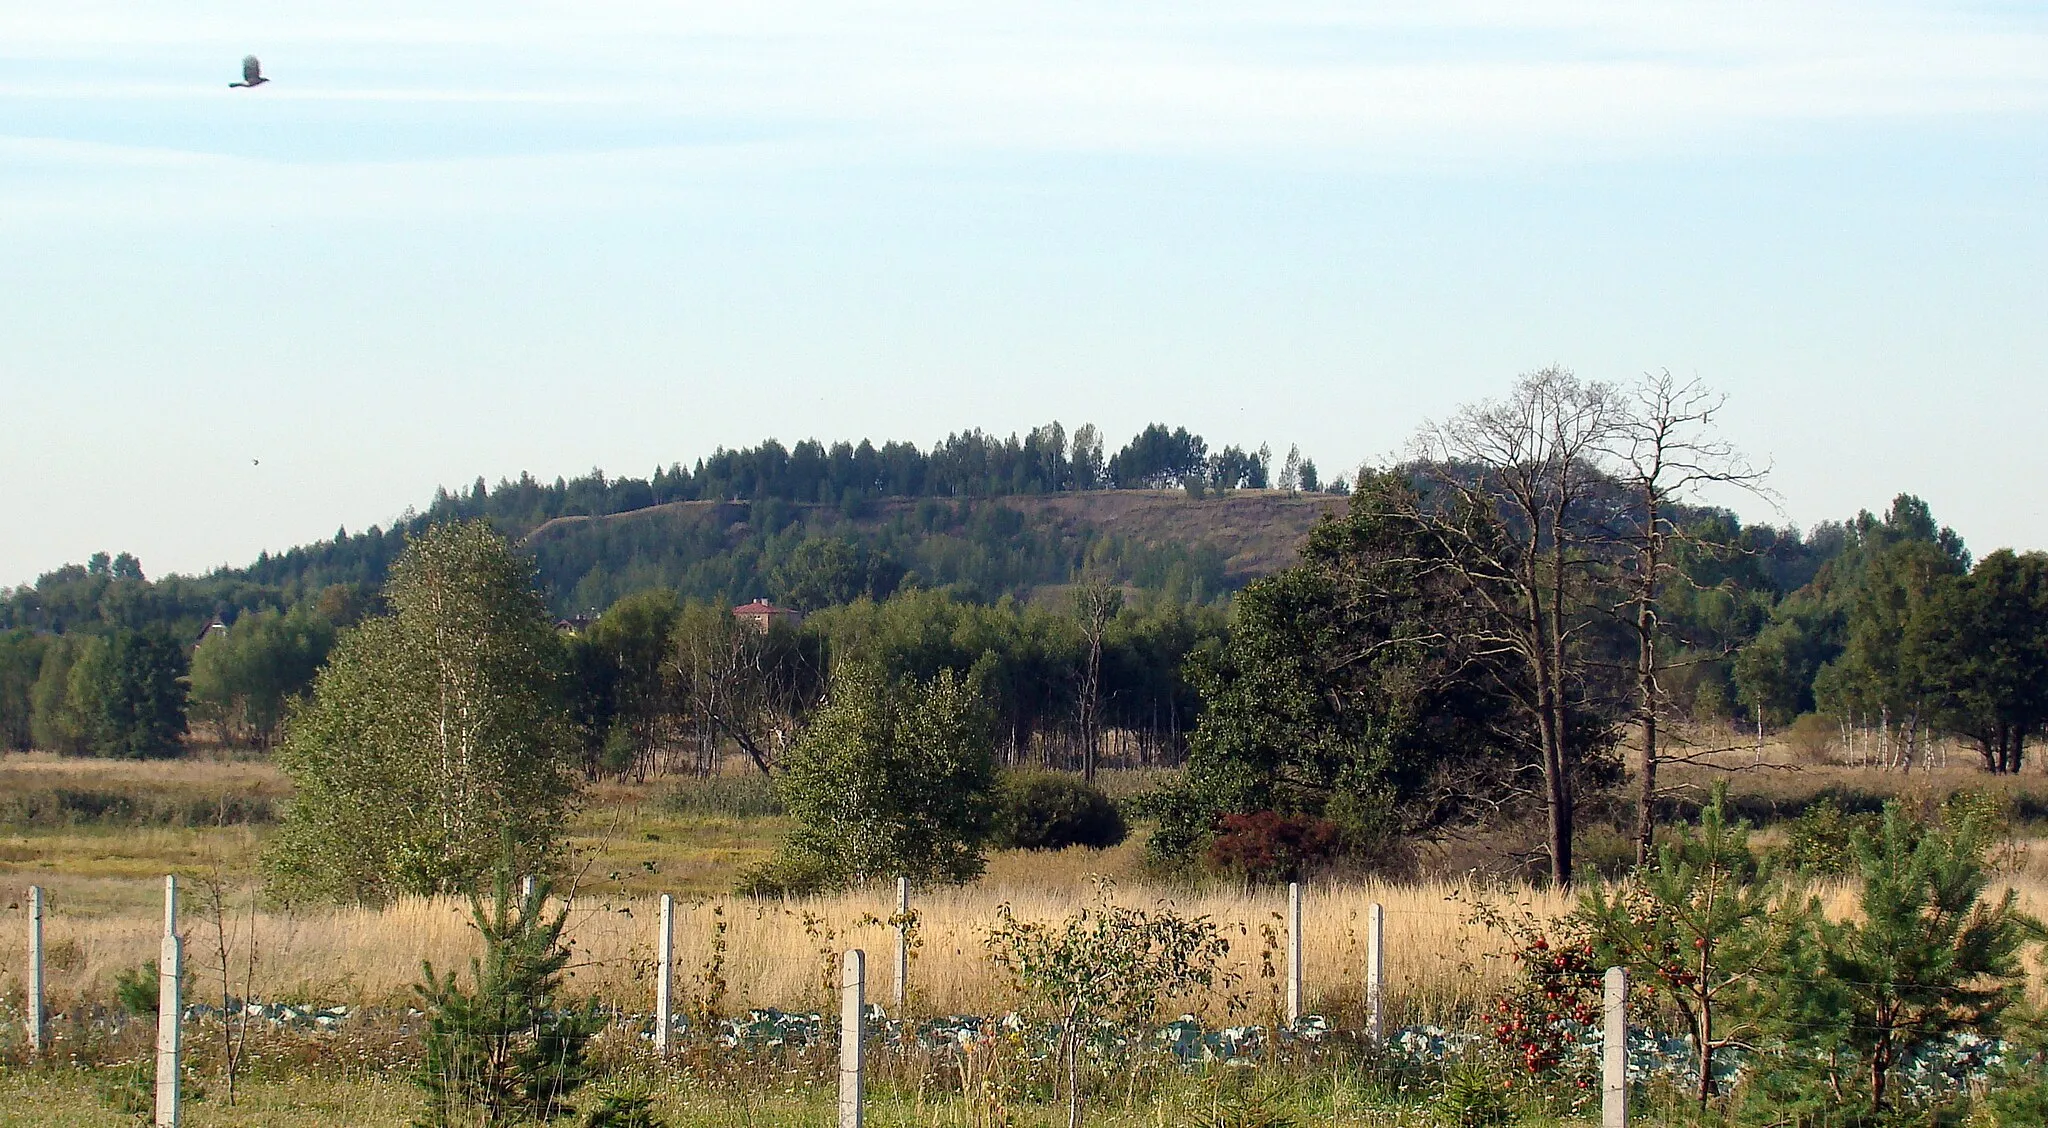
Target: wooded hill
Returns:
[[1167, 542]]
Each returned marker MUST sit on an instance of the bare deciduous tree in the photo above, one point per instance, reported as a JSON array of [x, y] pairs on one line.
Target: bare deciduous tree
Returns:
[[1665, 448], [1096, 603], [742, 683], [1510, 492]]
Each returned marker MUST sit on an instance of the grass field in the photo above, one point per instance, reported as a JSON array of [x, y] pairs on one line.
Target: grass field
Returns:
[[70, 1099], [99, 836]]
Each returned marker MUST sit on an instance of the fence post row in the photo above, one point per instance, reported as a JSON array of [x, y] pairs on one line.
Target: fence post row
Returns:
[[852, 1033], [902, 942], [1375, 971], [169, 1008], [1293, 953], [664, 973], [1614, 1052], [36, 1039]]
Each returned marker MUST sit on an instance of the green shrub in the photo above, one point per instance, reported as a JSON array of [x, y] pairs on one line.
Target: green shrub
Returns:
[[1250, 1110], [624, 1106], [790, 873], [1473, 1097], [137, 990], [1820, 840], [1052, 812]]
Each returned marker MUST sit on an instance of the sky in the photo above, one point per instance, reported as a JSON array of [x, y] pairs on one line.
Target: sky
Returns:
[[461, 239]]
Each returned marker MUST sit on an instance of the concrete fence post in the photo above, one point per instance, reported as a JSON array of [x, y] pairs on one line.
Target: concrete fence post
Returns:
[[525, 889], [902, 942], [1375, 971], [37, 1040], [853, 978], [169, 1010], [664, 977], [1293, 953], [1614, 1052]]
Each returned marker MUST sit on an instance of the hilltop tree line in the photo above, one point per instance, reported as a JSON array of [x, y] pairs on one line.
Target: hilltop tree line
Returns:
[[773, 501], [972, 464]]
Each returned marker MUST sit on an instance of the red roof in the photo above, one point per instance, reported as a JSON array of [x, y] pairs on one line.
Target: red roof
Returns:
[[762, 607]]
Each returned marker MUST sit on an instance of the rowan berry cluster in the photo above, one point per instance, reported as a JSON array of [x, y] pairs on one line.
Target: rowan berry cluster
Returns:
[[1557, 996]]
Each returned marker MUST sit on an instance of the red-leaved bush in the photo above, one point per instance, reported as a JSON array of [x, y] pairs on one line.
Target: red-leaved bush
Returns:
[[1269, 846]]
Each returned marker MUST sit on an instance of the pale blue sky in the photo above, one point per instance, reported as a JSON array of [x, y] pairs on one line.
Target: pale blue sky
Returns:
[[480, 238]]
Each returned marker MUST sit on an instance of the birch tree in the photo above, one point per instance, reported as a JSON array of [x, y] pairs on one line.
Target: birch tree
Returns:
[[435, 735]]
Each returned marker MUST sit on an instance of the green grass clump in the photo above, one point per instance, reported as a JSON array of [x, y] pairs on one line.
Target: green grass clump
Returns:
[[731, 796]]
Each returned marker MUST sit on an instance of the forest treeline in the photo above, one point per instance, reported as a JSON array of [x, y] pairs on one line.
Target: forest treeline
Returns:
[[1879, 630], [770, 516]]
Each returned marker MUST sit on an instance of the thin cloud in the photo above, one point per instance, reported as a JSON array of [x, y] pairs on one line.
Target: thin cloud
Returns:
[[1142, 76]]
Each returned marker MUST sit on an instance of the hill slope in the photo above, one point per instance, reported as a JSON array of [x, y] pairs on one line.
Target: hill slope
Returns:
[[1193, 548], [811, 553]]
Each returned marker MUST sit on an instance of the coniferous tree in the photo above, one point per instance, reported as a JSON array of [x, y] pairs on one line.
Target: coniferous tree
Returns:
[[1704, 928], [508, 1048], [1926, 955]]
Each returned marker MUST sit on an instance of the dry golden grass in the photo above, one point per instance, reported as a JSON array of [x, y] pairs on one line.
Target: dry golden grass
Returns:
[[20, 772], [1438, 964], [628, 845]]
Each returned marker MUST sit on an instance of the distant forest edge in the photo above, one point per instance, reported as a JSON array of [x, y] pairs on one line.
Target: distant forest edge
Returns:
[[980, 554], [813, 525]]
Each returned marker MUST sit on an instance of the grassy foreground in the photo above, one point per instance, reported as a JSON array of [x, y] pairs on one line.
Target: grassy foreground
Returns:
[[99, 835], [70, 1099]]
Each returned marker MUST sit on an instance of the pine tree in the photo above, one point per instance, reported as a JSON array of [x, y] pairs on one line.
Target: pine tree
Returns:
[[1703, 928]]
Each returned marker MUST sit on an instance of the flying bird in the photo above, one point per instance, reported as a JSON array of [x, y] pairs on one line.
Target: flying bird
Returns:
[[252, 73]]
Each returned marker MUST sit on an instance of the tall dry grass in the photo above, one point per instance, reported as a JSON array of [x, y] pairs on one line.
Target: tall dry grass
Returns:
[[1439, 964]]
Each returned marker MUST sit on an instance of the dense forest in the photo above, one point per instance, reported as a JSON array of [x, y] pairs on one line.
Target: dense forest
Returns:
[[1088, 632]]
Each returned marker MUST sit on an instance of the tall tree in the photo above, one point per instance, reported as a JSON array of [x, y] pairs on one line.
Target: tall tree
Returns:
[[1875, 675], [1980, 646], [126, 695], [1512, 496], [21, 661], [739, 683], [623, 696], [1086, 463], [1665, 448], [243, 678], [436, 736], [1096, 603], [1355, 688]]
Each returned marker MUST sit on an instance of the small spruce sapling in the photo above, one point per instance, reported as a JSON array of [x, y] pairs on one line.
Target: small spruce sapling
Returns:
[[509, 1047]]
